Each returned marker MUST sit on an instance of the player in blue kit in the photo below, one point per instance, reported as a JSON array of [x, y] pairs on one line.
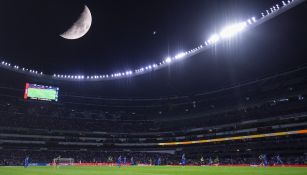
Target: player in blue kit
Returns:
[[264, 160], [26, 162], [158, 161], [125, 160], [119, 161], [183, 161]]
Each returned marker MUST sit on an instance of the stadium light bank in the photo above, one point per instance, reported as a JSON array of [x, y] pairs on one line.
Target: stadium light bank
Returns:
[[226, 33]]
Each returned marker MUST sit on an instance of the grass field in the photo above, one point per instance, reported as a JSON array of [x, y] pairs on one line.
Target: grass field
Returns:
[[162, 170]]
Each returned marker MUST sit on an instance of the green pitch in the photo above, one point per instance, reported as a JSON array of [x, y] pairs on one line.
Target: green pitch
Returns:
[[162, 170]]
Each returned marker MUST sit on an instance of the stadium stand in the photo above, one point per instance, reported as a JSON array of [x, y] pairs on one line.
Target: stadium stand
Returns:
[[95, 130]]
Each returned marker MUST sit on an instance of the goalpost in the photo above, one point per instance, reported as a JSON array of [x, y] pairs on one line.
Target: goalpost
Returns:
[[58, 161]]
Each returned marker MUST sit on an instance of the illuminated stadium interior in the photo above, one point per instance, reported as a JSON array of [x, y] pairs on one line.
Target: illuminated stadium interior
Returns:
[[234, 104]]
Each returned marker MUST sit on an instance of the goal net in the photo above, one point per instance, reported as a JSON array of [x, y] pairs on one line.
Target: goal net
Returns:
[[63, 161]]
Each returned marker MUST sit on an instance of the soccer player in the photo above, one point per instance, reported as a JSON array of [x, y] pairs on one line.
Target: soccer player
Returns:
[[216, 160], [210, 161], [26, 162], [183, 161], [132, 161], [125, 160], [119, 161], [159, 161], [57, 162], [263, 159], [110, 159], [278, 160], [202, 160]]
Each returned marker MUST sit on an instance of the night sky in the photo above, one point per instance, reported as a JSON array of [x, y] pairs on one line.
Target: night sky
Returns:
[[121, 37]]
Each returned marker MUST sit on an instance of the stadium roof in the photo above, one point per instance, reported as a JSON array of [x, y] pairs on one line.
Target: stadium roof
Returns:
[[272, 47]]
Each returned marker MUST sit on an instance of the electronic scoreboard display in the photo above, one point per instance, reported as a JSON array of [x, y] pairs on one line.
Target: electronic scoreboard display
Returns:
[[41, 92]]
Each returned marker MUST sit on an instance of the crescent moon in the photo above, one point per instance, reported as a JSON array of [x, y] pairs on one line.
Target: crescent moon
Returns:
[[80, 27]]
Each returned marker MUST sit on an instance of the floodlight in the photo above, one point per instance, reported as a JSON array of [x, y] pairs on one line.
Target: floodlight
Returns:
[[232, 30], [180, 55], [283, 3], [214, 38], [168, 60]]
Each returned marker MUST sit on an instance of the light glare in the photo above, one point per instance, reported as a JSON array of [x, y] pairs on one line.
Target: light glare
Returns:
[[168, 60], [180, 55], [214, 38], [230, 31]]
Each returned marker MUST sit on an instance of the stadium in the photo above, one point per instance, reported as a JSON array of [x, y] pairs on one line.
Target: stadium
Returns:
[[147, 88]]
